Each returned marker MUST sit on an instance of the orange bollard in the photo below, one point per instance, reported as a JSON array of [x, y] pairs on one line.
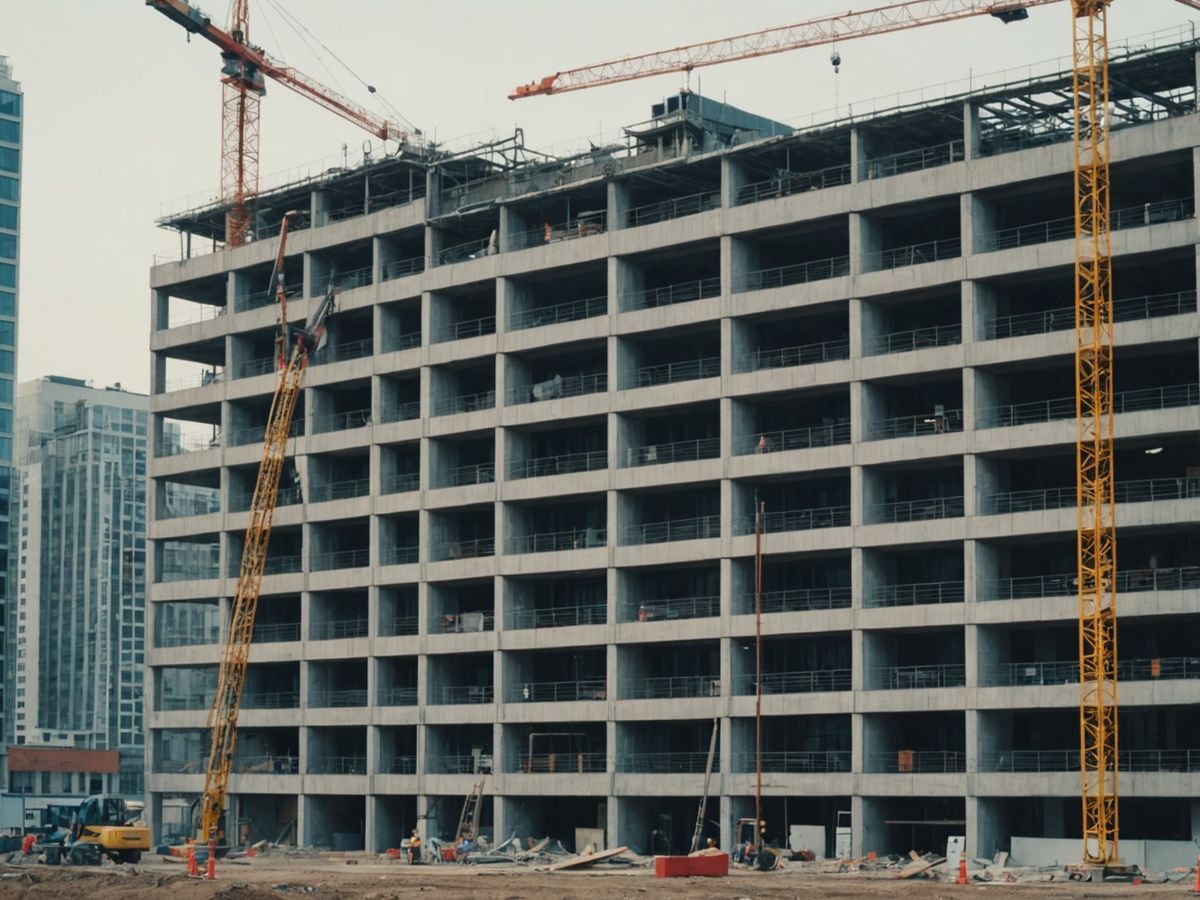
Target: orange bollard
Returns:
[[1196, 886], [193, 870], [212, 860], [962, 869]]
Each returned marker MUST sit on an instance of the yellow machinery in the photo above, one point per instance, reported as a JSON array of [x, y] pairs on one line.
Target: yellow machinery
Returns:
[[104, 825]]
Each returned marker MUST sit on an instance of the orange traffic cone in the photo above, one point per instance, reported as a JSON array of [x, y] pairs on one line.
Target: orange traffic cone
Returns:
[[212, 860], [1196, 886], [193, 870], [962, 869]]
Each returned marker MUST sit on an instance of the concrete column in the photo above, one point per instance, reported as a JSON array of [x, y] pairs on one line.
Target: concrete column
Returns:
[[970, 396], [618, 205], [508, 226], [971, 146], [859, 154], [160, 315], [860, 497], [864, 241], [860, 412], [858, 569], [977, 223], [727, 276], [859, 835]]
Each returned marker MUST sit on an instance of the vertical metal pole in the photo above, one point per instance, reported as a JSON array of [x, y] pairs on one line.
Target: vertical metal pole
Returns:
[[758, 514]]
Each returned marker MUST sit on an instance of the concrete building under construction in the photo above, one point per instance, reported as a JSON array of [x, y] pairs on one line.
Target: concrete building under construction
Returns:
[[519, 537]]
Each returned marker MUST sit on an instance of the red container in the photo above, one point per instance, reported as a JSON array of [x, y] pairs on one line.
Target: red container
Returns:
[[713, 866]]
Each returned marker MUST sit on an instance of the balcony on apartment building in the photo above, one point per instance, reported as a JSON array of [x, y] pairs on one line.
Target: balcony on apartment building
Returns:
[[462, 533], [913, 575], [459, 750], [188, 623], [179, 751], [185, 687], [402, 253], [338, 684], [243, 479], [557, 601], [462, 460], [337, 750], [787, 503], [398, 750], [672, 193], [569, 370], [552, 448], [338, 476], [272, 686], [914, 743], [194, 558], [344, 268], [796, 337], [550, 218], [911, 234], [666, 748], [913, 659], [399, 540], [337, 615], [913, 142], [577, 522], [266, 751], [247, 420], [669, 671], [341, 407], [655, 517], [462, 607], [462, 311], [400, 325], [913, 492], [671, 435], [913, 405], [668, 593], [792, 665], [462, 237], [793, 583], [555, 748], [398, 611], [773, 171], [399, 397], [396, 681], [556, 296], [566, 675], [656, 358], [460, 678], [345, 544], [399, 467], [462, 387], [277, 619], [793, 744], [902, 323], [795, 254], [795, 420], [188, 496], [666, 277], [254, 289], [198, 300]]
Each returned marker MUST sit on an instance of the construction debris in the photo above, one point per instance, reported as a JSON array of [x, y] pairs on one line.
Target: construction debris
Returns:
[[587, 859]]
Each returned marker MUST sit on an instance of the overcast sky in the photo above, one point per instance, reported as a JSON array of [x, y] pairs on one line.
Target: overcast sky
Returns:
[[122, 113]]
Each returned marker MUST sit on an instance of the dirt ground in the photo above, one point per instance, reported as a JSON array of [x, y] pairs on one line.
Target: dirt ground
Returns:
[[325, 879]]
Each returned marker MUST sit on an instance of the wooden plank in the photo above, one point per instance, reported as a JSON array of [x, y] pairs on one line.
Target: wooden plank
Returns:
[[587, 859], [917, 868]]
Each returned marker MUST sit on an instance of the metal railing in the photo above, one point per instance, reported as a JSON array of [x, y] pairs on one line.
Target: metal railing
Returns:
[[674, 608], [358, 558], [275, 632], [1068, 761], [670, 373], [397, 696], [778, 521], [679, 451], [800, 599], [400, 765], [1063, 317], [785, 357], [271, 700], [332, 353], [563, 763], [554, 541], [400, 556], [667, 763], [249, 368], [795, 273], [463, 403], [176, 702], [918, 761], [917, 510], [915, 160], [398, 268], [195, 380], [792, 439], [400, 482], [676, 686], [699, 528], [254, 434], [467, 328], [550, 232], [275, 565], [459, 763], [902, 678], [1141, 491], [672, 209], [1167, 668], [340, 628], [197, 312], [191, 444], [1128, 581], [339, 490], [259, 299], [1064, 229], [286, 496], [816, 681], [912, 255], [558, 387], [795, 761], [915, 339], [459, 695], [177, 507], [266, 765], [402, 412], [558, 691], [571, 311], [342, 421], [469, 549], [559, 616], [460, 476], [398, 626], [670, 294], [337, 765], [917, 594], [947, 421], [785, 182], [339, 699], [190, 637], [405, 341], [1169, 397], [469, 621], [188, 573], [541, 466], [476, 249]]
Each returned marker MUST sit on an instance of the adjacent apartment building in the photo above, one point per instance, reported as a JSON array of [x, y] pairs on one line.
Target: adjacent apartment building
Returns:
[[518, 541]]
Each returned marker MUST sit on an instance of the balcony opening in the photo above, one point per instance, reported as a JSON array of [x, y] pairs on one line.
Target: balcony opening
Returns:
[[910, 235], [395, 819], [341, 407], [398, 755], [398, 611], [1032, 392], [924, 824], [253, 288], [670, 193], [550, 449], [344, 545], [247, 422], [334, 615], [400, 325], [898, 660], [186, 687], [272, 686], [913, 576], [462, 388], [461, 460], [577, 522], [571, 370], [915, 743], [443, 813], [669, 357], [793, 583], [338, 476], [795, 254], [187, 623], [242, 480], [277, 619], [666, 748], [555, 748], [793, 665], [1042, 566], [464, 311], [185, 367], [399, 542], [187, 559], [400, 397], [264, 817], [458, 749], [396, 686], [665, 593], [399, 467], [191, 430], [192, 301], [911, 406], [337, 684], [346, 267], [556, 676], [772, 423], [557, 295], [654, 517], [1025, 481], [669, 671], [350, 335], [666, 277], [283, 552], [1031, 212], [557, 602], [794, 744], [798, 167], [460, 678], [664, 825], [1154, 377], [570, 821], [922, 139], [462, 534], [188, 495], [402, 253], [792, 504], [267, 751], [781, 813], [917, 321], [914, 492], [335, 821], [793, 338], [670, 435], [555, 216], [460, 237], [462, 607]]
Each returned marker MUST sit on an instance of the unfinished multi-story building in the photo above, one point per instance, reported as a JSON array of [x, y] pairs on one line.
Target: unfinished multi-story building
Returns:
[[519, 537]]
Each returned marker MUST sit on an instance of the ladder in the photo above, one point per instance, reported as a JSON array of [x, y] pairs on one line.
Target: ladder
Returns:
[[468, 822], [708, 767]]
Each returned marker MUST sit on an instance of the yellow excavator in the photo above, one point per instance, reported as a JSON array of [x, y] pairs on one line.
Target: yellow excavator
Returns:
[[104, 825]]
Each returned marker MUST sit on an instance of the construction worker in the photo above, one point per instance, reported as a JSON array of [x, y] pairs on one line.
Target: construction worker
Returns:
[[711, 844], [414, 848]]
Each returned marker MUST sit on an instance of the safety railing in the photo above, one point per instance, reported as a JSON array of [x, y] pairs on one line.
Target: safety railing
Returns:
[[397, 626], [1028, 586], [679, 451], [399, 268], [777, 521], [259, 299], [549, 232], [670, 294], [916, 594], [914, 160], [559, 616], [188, 637], [401, 412], [266, 765], [341, 421], [819, 761], [333, 353], [404, 341], [467, 328], [340, 699], [177, 507], [340, 628], [912, 255], [699, 528], [339, 490], [179, 766], [464, 622], [249, 368], [558, 691], [541, 466], [675, 687], [563, 763], [1167, 668], [457, 695], [400, 765], [555, 541], [255, 434], [943, 422], [670, 608], [916, 761], [795, 273], [558, 387], [1064, 228], [791, 439], [276, 565], [195, 313], [191, 444], [667, 763], [337, 765], [459, 763], [400, 556], [917, 510], [1140, 491], [476, 249], [285, 496], [460, 476], [177, 702], [674, 208], [195, 380], [902, 678], [463, 403], [341, 559], [817, 681], [397, 696], [188, 573], [670, 373], [800, 599], [571, 311], [915, 339], [355, 278], [1169, 397], [1068, 761], [469, 549], [786, 357], [785, 182], [1063, 317], [271, 700], [400, 482], [275, 632]]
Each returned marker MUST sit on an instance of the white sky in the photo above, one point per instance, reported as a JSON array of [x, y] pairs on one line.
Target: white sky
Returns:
[[122, 114]]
